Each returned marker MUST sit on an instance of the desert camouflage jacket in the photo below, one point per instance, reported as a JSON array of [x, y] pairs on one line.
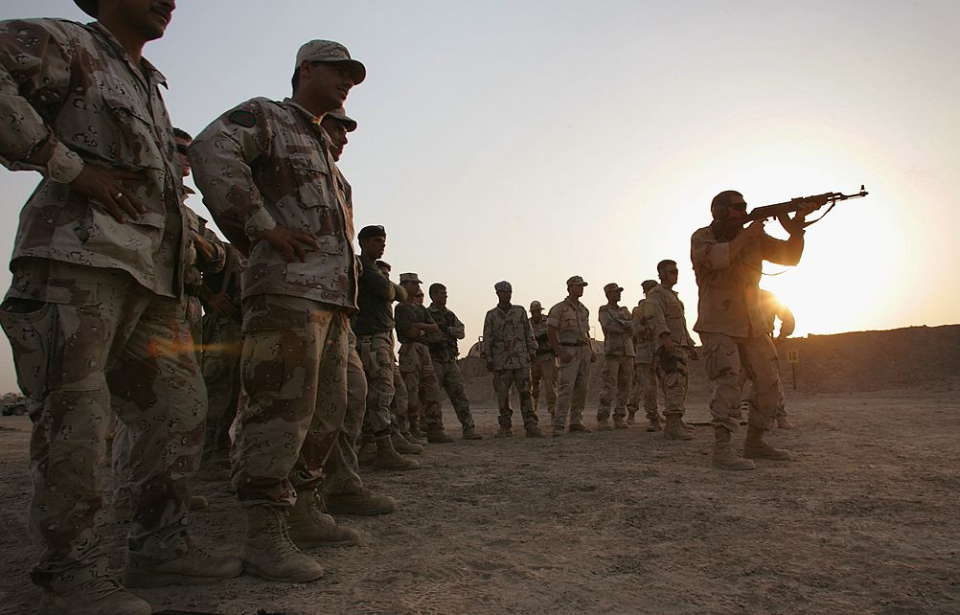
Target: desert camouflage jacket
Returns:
[[730, 287], [642, 334], [617, 330], [666, 314], [198, 264], [507, 338], [443, 345], [541, 336], [572, 321], [265, 163], [71, 96]]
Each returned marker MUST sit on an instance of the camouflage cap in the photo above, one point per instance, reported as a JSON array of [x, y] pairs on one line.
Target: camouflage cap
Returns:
[[410, 277], [341, 116], [609, 288], [576, 280], [90, 7], [504, 286], [535, 305], [648, 284], [330, 51]]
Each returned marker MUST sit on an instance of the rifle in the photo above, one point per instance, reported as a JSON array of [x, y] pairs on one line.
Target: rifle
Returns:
[[772, 211]]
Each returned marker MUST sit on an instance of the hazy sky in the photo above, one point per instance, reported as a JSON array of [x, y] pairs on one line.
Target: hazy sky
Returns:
[[531, 141]]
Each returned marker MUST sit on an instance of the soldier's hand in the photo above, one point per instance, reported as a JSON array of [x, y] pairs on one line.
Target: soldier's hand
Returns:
[[292, 244], [104, 187], [668, 345], [754, 230]]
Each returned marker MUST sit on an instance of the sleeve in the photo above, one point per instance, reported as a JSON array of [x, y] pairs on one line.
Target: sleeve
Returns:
[[488, 334], [378, 285], [782, 252], [402, 316], [532, 345], [219, 260], [35, 72], [707, 253], [399, 293], [610, 321], [221, 157], [458, 329], [787, 321], [553, 316], [653, 311]]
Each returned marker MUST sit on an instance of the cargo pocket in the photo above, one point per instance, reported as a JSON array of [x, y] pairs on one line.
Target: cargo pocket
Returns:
[[30, 327]]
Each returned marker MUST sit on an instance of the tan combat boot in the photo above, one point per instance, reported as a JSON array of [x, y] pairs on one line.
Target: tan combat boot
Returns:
[[389, 459], [309, 526], [675, 431], [504, 432], [270, 554], [192, 566], [366, 451], [684, 425], [361, 502], [784, 423], [631, 417], [578, 427], [409, 437], [724, 457], [654, 424], [438, 436], [755, 448], [403, 446], [534, 432], [604, 425], [619, 423], [96, 595], [470, 433]]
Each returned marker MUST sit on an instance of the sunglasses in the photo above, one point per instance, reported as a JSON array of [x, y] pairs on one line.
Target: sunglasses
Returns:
[[182, 149]]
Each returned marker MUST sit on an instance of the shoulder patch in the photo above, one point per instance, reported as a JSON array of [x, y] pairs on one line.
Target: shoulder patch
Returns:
[[243, 118]]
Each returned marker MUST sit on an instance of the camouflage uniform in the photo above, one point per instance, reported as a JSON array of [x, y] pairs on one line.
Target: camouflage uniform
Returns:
[[507, 345], [645, 380], [196, 266], [731, 323], [400, 401], [419, 375], [573, 333], [772, 310], [443, 353], [618, 360], [664, 310], [295, 321], [94, 308], [544, 368], [342, 468]]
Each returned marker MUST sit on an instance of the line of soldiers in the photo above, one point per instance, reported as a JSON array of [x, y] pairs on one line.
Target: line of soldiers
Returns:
[[102, 305]]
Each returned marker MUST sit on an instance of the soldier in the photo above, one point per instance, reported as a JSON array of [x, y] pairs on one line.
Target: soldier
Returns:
[[674, 348], [772, 311], [728, 260], [509, 349], [544, 366], [399, 403], [268, 177], [92, 323], [343, 489], [423, 390], [374, 328], [645, 381], [443, 352], [618, 358], [568, 329]]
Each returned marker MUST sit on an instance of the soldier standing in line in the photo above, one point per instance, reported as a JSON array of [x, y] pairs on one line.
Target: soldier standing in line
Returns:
[[772, 311], [544, 368], [509, 349], [728, 262], [618, 358], [645, 381], [568, 329], [674, 347], [399, 403], [267, 175], [423, 389], [94, 325], [443, 352]]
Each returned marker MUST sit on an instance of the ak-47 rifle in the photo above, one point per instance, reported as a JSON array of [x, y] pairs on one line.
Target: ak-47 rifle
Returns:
[[827, 198]]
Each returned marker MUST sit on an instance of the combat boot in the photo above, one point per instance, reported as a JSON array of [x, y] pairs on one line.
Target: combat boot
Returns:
[[579, 427], [619, 423], [784, 423], [270, 554], [438, 436], [755, 448], [98, 595], [534, 432], [389, 459], [685, 426], [470, 433], [197, 502], [367, 452], [402, 446], [194, 566], [412, 439], [309, 526], [724, 457], [674, 431], [504, 432], [417, 434], [557, 432], [631, 417], [654, 424], [361, 502], [604, 425]]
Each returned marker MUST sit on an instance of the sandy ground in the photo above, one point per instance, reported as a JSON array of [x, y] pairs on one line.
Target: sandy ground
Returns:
[[865, 520]]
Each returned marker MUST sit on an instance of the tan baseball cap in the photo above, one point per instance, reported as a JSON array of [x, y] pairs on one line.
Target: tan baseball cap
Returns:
[[341, 116], [331, 51], [612, 286], [410, 277]]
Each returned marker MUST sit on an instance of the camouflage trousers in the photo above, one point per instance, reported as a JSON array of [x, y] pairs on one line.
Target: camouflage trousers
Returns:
[[87, 342], [572, 387], [674, 373], [726, 357], [294, 375], [748, 393], [398, 407], [503, 381], [376, 353], [645, 387], [544, 369], [342, 469], [220, 365], [617, 379], [194, 315], [451, 381], [423, 388]]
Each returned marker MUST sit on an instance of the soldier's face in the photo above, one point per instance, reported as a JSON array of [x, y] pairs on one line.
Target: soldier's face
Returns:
[[374, 247], [614, 295], [669, 275], [182, 147], [148, 18], [505, 295], [338, 135], [439, 297], [575, 290], [325, 84], [536, 314]]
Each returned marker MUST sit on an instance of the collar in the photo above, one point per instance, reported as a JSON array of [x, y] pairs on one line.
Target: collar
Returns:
[[146, 68]]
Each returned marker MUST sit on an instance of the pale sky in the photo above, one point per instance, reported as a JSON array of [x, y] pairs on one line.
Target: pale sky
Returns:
[[532, 141]]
